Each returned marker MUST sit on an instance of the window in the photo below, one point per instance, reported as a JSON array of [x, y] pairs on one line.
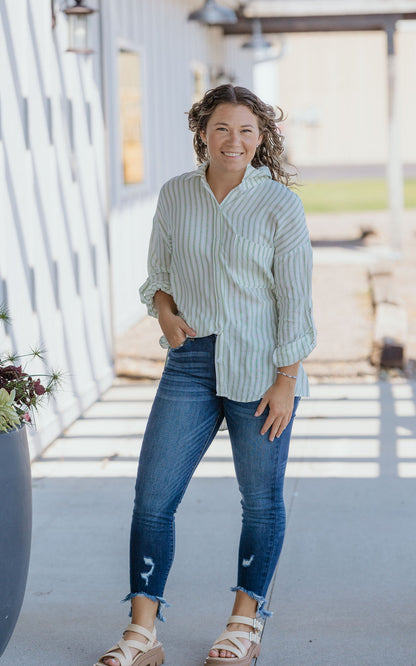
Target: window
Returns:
[[130, 96]]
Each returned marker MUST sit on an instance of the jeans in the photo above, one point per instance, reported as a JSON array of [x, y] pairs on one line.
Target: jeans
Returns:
[[184, 419]]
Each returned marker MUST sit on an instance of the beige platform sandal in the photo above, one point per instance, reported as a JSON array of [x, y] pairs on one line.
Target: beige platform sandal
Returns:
[[243, 656], [151, 653]]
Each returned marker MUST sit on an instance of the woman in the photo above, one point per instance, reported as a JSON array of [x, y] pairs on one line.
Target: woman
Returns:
[[230, 282]]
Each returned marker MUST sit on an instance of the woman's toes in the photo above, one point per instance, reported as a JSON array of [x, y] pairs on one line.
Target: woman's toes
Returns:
[[213, 653]]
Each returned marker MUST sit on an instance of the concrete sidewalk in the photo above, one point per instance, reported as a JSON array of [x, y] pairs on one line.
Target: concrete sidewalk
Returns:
[[345, 589]]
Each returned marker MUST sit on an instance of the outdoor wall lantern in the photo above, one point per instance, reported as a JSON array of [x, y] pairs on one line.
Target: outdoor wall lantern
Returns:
[[78, 15], [213, 14]]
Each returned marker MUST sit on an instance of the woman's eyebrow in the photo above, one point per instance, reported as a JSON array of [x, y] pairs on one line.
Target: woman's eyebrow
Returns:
[[246, 125]]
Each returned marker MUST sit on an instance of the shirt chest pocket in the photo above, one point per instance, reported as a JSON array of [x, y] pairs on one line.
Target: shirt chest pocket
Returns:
[[251, 263]]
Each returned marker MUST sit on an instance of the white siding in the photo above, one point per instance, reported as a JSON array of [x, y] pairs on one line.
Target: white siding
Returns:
[[73, 238], [168, 44], [54, 259]]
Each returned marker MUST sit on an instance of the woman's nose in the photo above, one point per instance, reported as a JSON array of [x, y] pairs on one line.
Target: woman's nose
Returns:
[[234, 137]]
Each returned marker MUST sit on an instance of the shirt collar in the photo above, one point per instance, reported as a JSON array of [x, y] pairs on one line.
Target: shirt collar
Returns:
[[252, 174]]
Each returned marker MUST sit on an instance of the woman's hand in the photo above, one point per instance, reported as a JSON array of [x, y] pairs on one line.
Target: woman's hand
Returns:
[[280, 398], [174, 328]]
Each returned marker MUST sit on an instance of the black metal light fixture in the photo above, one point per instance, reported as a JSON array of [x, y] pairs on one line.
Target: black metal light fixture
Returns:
[[213, 14], [78, 15], [257, 41]]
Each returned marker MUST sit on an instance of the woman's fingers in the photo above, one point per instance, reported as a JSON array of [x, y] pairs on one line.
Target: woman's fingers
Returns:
[[280, 411], [262, 406], [175, 329], [188, 330], [276, 423]]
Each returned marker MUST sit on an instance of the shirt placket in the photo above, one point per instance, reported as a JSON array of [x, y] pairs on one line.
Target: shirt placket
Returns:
[[219, 278]]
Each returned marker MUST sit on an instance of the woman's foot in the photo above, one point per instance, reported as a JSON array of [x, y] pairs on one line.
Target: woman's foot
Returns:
[[243, 606], [128, 636], [227, 653], [143, 614]]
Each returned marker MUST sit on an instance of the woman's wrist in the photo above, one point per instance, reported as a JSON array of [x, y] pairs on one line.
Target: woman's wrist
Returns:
[[284, 374], [164, 303], [287, 374]]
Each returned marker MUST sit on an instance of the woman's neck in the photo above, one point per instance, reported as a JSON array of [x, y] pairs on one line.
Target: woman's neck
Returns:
[[221, 183]]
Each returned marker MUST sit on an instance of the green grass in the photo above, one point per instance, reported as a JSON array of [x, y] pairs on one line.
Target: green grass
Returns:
[[351, 195]]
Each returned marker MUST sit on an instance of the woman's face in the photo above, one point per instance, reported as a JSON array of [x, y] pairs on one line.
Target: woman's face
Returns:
[[232, 136]]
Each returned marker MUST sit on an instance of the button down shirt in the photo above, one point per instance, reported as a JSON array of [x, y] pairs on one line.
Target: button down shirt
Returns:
[[240, 269]]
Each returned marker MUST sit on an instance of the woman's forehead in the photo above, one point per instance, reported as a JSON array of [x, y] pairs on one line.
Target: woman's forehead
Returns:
[[235, 113]]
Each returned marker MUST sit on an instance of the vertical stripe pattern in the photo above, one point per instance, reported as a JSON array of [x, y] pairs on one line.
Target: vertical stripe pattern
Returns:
[[240, 269]]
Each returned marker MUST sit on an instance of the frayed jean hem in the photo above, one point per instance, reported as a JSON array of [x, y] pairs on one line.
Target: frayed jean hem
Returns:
[[162, 603], [261, 601]]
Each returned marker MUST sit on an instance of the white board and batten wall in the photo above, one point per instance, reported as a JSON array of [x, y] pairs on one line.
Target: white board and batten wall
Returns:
[[169, 49], [73, 236]]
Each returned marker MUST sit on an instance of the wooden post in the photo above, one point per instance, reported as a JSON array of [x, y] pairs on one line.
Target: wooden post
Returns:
[[394, 163]]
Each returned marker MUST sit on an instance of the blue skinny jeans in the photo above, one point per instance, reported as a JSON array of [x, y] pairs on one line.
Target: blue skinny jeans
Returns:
[[185, 417]]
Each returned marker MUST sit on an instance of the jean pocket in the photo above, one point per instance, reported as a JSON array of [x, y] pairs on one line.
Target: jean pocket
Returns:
[[180, 346]]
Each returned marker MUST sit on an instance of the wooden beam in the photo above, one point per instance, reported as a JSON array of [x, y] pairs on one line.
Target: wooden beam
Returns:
[[347, 23]]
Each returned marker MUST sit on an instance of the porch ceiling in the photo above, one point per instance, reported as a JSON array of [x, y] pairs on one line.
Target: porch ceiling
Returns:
[[264, 8], [279, 16], [325, 23]]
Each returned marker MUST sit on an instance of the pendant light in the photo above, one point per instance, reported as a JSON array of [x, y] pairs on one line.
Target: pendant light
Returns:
[[213, 14]]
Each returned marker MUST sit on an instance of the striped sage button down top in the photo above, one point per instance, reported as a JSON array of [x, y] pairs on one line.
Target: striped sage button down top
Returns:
[[240, 269]]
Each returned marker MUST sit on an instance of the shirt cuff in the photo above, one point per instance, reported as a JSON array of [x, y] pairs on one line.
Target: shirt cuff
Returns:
[[295, 351], [154, 283]]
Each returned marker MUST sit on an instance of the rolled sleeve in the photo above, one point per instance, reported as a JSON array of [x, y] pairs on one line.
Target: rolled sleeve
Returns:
[[155, 282], [159, 260], [296, 333]]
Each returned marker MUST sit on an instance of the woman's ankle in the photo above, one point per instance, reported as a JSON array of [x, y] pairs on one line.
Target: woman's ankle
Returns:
[[144, 612]]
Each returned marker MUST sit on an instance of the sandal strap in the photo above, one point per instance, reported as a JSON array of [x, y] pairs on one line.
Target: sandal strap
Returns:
[[138, 629], [242, 619], [236, 651], [124, 658], [248, 635], [236, 648], [138, 645]]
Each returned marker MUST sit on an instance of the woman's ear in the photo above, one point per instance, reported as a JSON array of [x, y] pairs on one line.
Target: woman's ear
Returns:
[[203, 136]]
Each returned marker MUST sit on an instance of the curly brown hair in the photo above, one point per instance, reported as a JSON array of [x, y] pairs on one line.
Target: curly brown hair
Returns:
[[271, 148]]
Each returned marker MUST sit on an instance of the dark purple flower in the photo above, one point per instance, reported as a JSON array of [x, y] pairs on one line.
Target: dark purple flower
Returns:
[[38, 387], [11, 372]]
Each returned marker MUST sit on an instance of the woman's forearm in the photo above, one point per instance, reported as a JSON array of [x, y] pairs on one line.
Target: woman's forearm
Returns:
[[164, 303]]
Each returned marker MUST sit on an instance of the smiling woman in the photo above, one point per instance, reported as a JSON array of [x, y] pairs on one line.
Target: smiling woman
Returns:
[[230, 283], [263, 119], [232, 137]]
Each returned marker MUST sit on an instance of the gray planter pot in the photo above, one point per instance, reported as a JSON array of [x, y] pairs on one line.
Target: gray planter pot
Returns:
[[15, 528]]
